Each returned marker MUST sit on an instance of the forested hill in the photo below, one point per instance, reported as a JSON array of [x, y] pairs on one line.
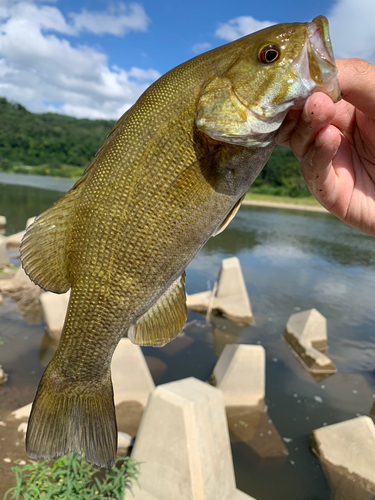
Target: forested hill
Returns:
[[47, 140], [59, 145]]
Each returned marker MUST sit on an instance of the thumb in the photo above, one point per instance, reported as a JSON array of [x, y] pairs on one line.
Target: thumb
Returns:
[[357, 84]]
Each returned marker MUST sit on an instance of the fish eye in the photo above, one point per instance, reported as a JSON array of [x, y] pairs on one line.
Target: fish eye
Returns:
[[269, 54]]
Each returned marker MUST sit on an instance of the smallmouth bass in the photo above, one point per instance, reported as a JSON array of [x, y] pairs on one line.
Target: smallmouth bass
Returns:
[[172, 173]]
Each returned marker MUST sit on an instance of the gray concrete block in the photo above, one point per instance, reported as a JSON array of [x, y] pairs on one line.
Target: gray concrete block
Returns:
[[29, 221], [131, 378], [124, 440], [21, 278], [347, 452], [240, 375], [21, 413], [4, 257], [54, 308], [3, 221], [183, 445], [229, 295], [3, 376], [14, 240], [306, 333]]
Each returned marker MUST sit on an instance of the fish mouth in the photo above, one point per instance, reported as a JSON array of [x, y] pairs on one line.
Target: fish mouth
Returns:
[[316, 62]]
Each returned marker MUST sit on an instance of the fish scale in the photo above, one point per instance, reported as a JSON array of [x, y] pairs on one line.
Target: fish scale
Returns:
[[171, 174]]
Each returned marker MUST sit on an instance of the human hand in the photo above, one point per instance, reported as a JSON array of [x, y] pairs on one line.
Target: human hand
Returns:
[[335, 144]]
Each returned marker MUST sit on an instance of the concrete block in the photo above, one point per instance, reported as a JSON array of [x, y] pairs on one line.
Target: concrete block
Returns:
[[3, 376], [306, 333], [131, 378], [14, 240], [29, 221], [21, 413], [3, 221], [47, 348], [240, 375], [54, 308], [21, 278], [229, 295], [4, 257], [183, 445], [124, 440], [347, 453]]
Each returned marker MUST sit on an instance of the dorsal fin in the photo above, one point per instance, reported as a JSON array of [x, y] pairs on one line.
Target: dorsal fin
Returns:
[[44, 248], [229, 217], [164, 320]]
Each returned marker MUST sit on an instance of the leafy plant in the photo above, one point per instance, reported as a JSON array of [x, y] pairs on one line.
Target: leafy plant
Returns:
[[71, 477]]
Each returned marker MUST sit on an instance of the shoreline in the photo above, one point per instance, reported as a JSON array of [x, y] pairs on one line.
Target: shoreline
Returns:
[[63, 184], [289, 206]]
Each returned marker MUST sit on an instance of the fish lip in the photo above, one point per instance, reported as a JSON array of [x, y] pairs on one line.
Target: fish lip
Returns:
[[320, 25], [316, 62]]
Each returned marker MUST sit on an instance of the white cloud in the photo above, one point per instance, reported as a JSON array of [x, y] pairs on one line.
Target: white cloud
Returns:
[[198, 48], [352, 28], [40, 67], [117, 21], [240, 26]]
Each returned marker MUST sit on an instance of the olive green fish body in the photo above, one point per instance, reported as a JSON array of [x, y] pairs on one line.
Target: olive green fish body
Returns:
[[171, 174]]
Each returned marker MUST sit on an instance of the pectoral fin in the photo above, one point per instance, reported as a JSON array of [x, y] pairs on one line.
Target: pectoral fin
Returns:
[[229, 217], [164, 320], [44, 248]]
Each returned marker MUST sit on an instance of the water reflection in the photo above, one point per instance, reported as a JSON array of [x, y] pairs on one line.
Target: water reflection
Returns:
[[255, 430], [291, 261], [18, 203], [293, 233]]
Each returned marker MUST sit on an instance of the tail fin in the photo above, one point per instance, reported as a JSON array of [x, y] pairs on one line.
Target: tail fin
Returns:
[[68, 416]]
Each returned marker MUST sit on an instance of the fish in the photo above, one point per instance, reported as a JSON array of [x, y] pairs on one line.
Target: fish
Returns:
[[171, 174]]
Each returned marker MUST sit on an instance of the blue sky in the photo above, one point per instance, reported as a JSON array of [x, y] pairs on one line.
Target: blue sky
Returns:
[[94, 58]]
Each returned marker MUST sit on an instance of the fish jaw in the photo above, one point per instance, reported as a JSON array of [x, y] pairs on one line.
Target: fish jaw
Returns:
[[316, 63]]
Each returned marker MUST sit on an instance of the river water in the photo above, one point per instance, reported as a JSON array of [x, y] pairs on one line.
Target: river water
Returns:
[[292, 261]]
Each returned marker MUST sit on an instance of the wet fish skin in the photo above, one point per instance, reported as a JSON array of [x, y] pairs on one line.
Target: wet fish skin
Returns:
[[171, 174]]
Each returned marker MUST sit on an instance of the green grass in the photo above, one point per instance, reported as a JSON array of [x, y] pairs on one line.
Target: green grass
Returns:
[[70, 477], [306, 200], [8, 271]]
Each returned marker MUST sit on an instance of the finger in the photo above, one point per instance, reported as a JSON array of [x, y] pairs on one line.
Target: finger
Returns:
[[288, 126], [317, 113], [357, 84], [316, 166]]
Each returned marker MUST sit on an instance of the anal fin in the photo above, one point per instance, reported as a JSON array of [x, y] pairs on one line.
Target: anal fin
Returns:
[[164, 320]]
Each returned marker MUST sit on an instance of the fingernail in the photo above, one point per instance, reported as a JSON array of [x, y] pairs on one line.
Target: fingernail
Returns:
[[305, 116]]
